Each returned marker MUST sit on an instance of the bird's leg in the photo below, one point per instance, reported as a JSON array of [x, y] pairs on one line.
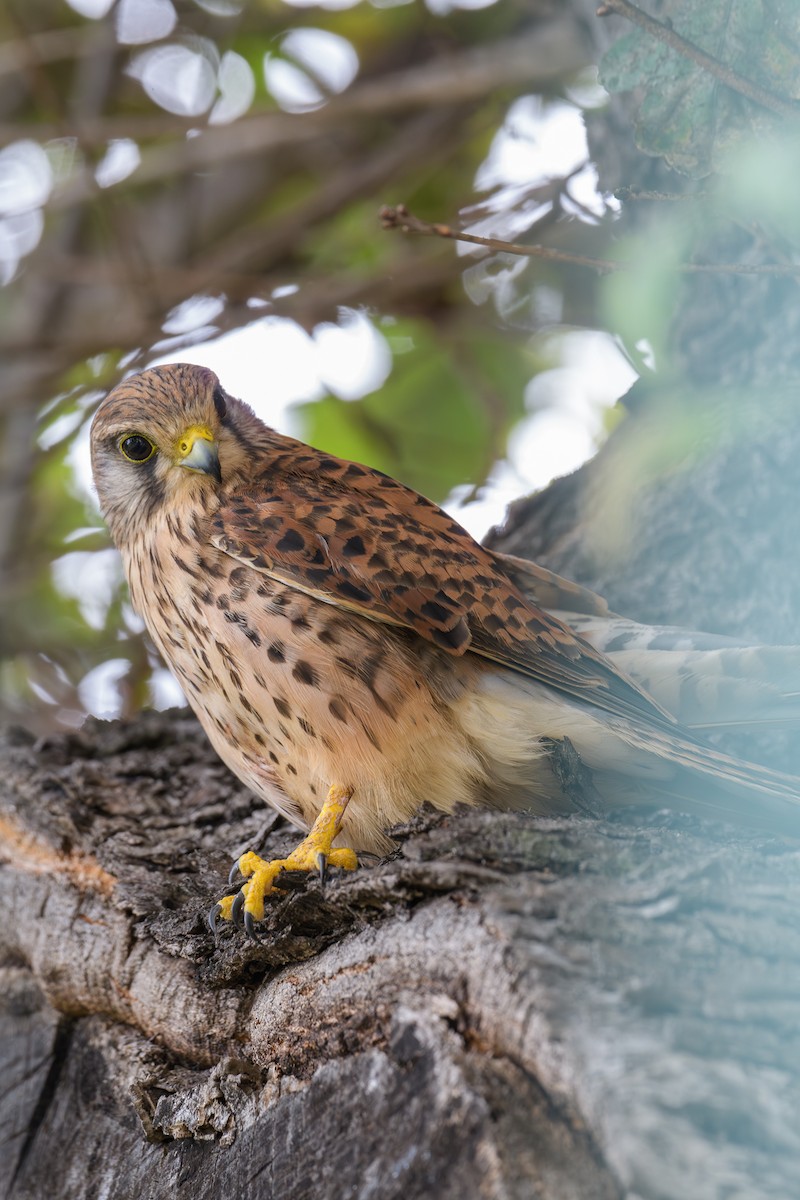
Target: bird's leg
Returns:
[[315, 853]]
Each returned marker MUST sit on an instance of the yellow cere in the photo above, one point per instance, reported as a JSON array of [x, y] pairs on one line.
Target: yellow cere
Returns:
[[193, 434]]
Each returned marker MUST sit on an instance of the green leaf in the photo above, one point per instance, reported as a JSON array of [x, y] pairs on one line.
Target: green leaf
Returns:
[[687, 115]]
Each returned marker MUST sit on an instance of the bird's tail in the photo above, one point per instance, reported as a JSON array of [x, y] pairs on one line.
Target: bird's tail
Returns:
[[707, 682], [710, 684]]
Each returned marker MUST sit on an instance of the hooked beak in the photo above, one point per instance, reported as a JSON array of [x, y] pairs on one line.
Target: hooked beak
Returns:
[[198, 452]]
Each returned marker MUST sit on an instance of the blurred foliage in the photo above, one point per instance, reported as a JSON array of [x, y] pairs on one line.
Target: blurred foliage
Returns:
[[443, 416], [177, 170]]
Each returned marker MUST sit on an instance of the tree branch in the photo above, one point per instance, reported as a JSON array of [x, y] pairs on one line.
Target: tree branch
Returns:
[[398, 217]]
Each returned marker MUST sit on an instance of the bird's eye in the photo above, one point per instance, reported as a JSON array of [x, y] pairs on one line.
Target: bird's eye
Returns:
[[137, 448]]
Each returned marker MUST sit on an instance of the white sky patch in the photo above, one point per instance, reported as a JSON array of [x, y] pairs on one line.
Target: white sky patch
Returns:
[[193, 314], [221, 8], [85, 531], [180, 78], [441, 8], [133, 622], [291, 86], [93, 9], [141, 21], [237, 88], [41, 693], [273, 364], [79, 461], [586, 90], [331, 59], [331, 5], [92, 577], [26, 177], [66, 424], [19, 234], [323, 64], [538, 141], [99, 688], [165, 691], [120, 160], [59, 429], [26, 181], [564, 429], [352, 357]]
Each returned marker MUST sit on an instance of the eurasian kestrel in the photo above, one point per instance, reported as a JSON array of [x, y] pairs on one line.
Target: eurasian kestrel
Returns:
[[352, 652]]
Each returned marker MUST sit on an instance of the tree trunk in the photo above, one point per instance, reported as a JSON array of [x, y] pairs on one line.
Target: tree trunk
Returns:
[[510, 1007]]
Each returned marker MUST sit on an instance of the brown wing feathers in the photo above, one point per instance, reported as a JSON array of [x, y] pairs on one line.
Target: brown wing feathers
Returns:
[[354, 537]]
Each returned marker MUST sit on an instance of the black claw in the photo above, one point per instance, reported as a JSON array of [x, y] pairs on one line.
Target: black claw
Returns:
[[236, 909], [212, 918], [322, 867], [233, 873], [250, 926]]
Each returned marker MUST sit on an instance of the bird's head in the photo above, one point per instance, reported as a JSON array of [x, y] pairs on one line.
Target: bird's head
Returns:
[[167, 437]]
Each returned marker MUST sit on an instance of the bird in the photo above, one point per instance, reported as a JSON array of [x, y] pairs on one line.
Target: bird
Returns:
[[352, 652]]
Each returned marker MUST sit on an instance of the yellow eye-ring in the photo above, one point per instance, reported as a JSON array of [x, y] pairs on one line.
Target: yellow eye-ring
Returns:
[[137, 448]]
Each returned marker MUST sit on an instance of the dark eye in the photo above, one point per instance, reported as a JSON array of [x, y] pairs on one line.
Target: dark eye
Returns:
[[137, 448], [219, 402]]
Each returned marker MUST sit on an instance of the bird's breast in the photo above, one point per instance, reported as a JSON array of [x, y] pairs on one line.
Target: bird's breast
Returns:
[[297, 694]]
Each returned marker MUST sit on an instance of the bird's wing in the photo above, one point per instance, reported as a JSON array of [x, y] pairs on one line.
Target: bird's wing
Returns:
[[357, 539], [548, 590]]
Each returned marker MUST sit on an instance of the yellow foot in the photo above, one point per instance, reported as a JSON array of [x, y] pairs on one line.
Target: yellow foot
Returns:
[[313, 854]]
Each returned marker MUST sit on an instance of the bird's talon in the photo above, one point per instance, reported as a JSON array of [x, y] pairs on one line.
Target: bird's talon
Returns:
[[212, 918], [322, 867], [264, 878], [234, 874]]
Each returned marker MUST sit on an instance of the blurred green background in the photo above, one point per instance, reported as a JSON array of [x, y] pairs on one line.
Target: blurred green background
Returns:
[[201, 180]]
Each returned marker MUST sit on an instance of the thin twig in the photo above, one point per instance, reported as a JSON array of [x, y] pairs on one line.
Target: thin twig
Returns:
[[399, 217], [725, 74], [634, 193], [53, 45]]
